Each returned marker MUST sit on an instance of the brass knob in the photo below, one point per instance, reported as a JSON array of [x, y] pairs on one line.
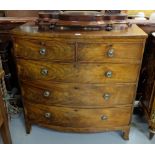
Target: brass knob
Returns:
[[42, 51], [47, 115], [46, 93], [110, 52], [44, 71], [106, 96], [108, 74], [104, 117]]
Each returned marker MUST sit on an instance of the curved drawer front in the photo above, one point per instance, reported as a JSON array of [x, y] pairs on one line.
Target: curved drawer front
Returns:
[[49, 50], [57, 50], [78, 95], [83, 73], [78, 118], [114, 52]]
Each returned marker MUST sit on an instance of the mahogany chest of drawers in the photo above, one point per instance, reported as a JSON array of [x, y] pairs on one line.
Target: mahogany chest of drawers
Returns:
[[146, 85], [78, 81], [4, 126]]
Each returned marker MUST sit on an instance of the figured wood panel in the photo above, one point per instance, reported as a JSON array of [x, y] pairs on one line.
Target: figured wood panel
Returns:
[[98, 52], [77, 95], [4, 127], [78, 118], [54, 50], [21, 13], [1, 118], [81, 73], [88, 51], [76, 64]]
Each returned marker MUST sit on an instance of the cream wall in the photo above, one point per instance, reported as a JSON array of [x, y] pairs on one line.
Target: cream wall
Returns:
[[134, 12]]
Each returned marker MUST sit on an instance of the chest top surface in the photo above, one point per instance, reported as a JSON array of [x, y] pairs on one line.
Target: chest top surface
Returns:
[[31, 30]]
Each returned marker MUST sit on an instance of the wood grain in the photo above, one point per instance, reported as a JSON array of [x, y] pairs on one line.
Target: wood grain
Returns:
[[98, 52], [146, 85], [56, 51], [83, 73], [31, 31], [86, 52], [78, 95], [4, 126], [78, 118], [75, 76], [1, 118]]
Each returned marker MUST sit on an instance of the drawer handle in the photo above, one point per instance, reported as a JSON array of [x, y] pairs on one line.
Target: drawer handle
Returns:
[[46, 93], [42, 51], [110, 52], [44, 72], [47, 115], [108, 74], [106, 96], [104, 118]]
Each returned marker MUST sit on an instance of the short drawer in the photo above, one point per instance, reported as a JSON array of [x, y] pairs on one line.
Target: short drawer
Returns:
[[82, 73], [78, 118], [44, 50], [110, 52], [78, 95]]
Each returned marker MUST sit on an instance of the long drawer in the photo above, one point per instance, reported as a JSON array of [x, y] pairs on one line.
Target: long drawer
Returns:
[[51, 50], [78, 95], [78, 118], [80, 73], [57, 50]]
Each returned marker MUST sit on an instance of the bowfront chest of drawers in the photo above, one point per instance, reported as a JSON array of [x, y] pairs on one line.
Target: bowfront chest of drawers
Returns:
[[78, 81]]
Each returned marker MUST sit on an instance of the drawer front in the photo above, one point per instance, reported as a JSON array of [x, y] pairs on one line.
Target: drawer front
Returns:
[[57, 50], [114, 52], [78, 95], [78, 118], [82, 73], [49, 50]]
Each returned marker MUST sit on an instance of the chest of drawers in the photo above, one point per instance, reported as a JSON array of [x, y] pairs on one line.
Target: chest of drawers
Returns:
[[146, 85], [78, 81], [4, 126]]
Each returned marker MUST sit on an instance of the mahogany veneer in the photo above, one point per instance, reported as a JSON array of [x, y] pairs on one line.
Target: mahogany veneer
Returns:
[[81, 81]]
